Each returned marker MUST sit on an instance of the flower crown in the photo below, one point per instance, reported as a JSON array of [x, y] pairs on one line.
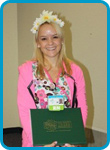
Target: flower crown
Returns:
[[46, 17]]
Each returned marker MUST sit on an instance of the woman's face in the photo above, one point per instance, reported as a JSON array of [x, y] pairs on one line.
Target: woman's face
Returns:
[[49, 41]]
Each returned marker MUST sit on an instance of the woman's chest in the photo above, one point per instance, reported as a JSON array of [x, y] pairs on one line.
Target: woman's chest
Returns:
[[54, 74], [53, 84]]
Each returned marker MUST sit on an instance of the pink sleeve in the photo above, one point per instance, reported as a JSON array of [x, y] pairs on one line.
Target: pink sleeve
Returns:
[[81, 94], [25, 103]]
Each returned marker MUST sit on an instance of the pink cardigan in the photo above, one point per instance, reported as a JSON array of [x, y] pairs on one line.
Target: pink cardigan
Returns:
[[25, 101]]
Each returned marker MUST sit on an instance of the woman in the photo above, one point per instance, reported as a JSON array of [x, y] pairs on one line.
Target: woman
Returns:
[[51, 72]]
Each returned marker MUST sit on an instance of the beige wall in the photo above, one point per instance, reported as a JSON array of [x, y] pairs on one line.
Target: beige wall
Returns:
[[10, 64], [86, 43]]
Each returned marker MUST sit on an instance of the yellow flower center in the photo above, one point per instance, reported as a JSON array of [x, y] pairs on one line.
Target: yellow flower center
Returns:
[[37, 24], [46, 18], [54, 19], [35, 28]]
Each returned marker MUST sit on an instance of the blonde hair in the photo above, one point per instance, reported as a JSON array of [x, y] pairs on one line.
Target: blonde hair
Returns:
[[63, 61]]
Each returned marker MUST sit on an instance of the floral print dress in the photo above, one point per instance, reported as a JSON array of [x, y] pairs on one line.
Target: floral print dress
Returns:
[[46, 87]]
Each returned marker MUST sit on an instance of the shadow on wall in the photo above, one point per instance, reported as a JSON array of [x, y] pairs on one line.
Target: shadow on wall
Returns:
[[68, 42]]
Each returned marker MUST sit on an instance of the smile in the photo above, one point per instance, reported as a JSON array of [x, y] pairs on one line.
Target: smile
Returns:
[[51, 48]]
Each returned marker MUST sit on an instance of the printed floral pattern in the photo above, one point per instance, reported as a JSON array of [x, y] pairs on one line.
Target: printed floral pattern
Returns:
[[43, 104], [44, 88], [41, 94]]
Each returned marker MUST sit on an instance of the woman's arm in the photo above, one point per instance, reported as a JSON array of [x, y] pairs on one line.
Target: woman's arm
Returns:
[[25, 103], [81, 93]]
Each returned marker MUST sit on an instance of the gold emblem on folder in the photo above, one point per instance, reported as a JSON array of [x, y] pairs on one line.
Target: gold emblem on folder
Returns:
[[50, 125], [54, 126]]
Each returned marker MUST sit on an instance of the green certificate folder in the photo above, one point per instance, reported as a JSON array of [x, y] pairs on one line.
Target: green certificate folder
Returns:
[[64, 126]]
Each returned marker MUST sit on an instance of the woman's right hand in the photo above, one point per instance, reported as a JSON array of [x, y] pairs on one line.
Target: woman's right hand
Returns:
[[51, 145]]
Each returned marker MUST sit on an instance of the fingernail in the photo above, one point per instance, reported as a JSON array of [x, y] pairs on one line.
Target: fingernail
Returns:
[[55, 142], [66, 144]]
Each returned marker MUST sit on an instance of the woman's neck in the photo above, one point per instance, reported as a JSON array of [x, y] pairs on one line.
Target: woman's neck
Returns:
[[52, 61]]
